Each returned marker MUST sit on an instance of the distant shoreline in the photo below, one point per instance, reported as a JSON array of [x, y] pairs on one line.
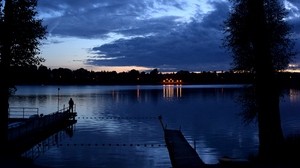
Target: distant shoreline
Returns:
[[62, 76]]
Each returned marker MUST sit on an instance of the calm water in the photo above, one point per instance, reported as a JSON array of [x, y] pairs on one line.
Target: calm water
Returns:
[[117, 126]]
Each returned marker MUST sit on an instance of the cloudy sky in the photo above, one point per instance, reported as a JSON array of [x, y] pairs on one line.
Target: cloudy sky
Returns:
[[121, 35]]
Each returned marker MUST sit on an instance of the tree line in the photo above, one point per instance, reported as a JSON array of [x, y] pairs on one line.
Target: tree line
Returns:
[[42, 75]]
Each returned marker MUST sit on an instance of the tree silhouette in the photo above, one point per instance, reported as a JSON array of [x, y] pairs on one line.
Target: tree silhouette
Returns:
[[21, 33], [258, 37]]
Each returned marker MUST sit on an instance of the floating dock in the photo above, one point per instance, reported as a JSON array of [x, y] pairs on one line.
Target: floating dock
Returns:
[[27, 132]]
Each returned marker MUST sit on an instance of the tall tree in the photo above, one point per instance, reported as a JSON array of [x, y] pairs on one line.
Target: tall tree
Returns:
[[259, 39], [21, 33]]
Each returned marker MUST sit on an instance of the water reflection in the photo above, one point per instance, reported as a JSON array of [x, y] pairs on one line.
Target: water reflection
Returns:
[[170, 91], [207, 115], [46, 144], [294, 95]]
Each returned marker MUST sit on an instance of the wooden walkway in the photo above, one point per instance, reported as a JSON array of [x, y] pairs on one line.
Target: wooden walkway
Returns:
[[182, 154], [29, 132]]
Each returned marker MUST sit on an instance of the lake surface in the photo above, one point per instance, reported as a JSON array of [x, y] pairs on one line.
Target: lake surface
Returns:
[[118, 126]]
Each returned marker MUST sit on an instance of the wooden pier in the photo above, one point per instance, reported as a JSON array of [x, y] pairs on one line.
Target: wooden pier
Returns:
[[181, 153], [27, 132]]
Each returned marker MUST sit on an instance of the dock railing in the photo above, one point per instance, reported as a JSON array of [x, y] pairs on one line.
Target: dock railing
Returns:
[[22, 112], [66, 108], [30, 112], [30, 131]]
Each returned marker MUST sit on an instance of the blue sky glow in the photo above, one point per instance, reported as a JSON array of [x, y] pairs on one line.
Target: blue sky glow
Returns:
[[140, 34]]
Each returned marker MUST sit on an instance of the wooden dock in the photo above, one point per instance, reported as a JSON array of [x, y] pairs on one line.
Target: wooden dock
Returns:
[[28, 132], [182, 154]]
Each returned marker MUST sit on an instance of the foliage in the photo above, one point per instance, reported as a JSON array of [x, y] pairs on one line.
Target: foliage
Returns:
[[241, 34], [21, 33]]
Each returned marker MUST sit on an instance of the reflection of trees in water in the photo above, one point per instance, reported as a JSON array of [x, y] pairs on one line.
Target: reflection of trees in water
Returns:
[[52, 140], [248, 104], [250, 111], [293, 94]]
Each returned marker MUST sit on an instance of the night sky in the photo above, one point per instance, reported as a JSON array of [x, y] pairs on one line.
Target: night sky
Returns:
[[121, 35]]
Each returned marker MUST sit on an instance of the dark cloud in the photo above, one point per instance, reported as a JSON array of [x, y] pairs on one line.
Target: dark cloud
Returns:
[[294, 14], [97, 18], [192, 46], [158, 42]]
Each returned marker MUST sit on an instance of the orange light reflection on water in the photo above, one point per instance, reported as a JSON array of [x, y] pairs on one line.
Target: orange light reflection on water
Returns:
[[172, 91]]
